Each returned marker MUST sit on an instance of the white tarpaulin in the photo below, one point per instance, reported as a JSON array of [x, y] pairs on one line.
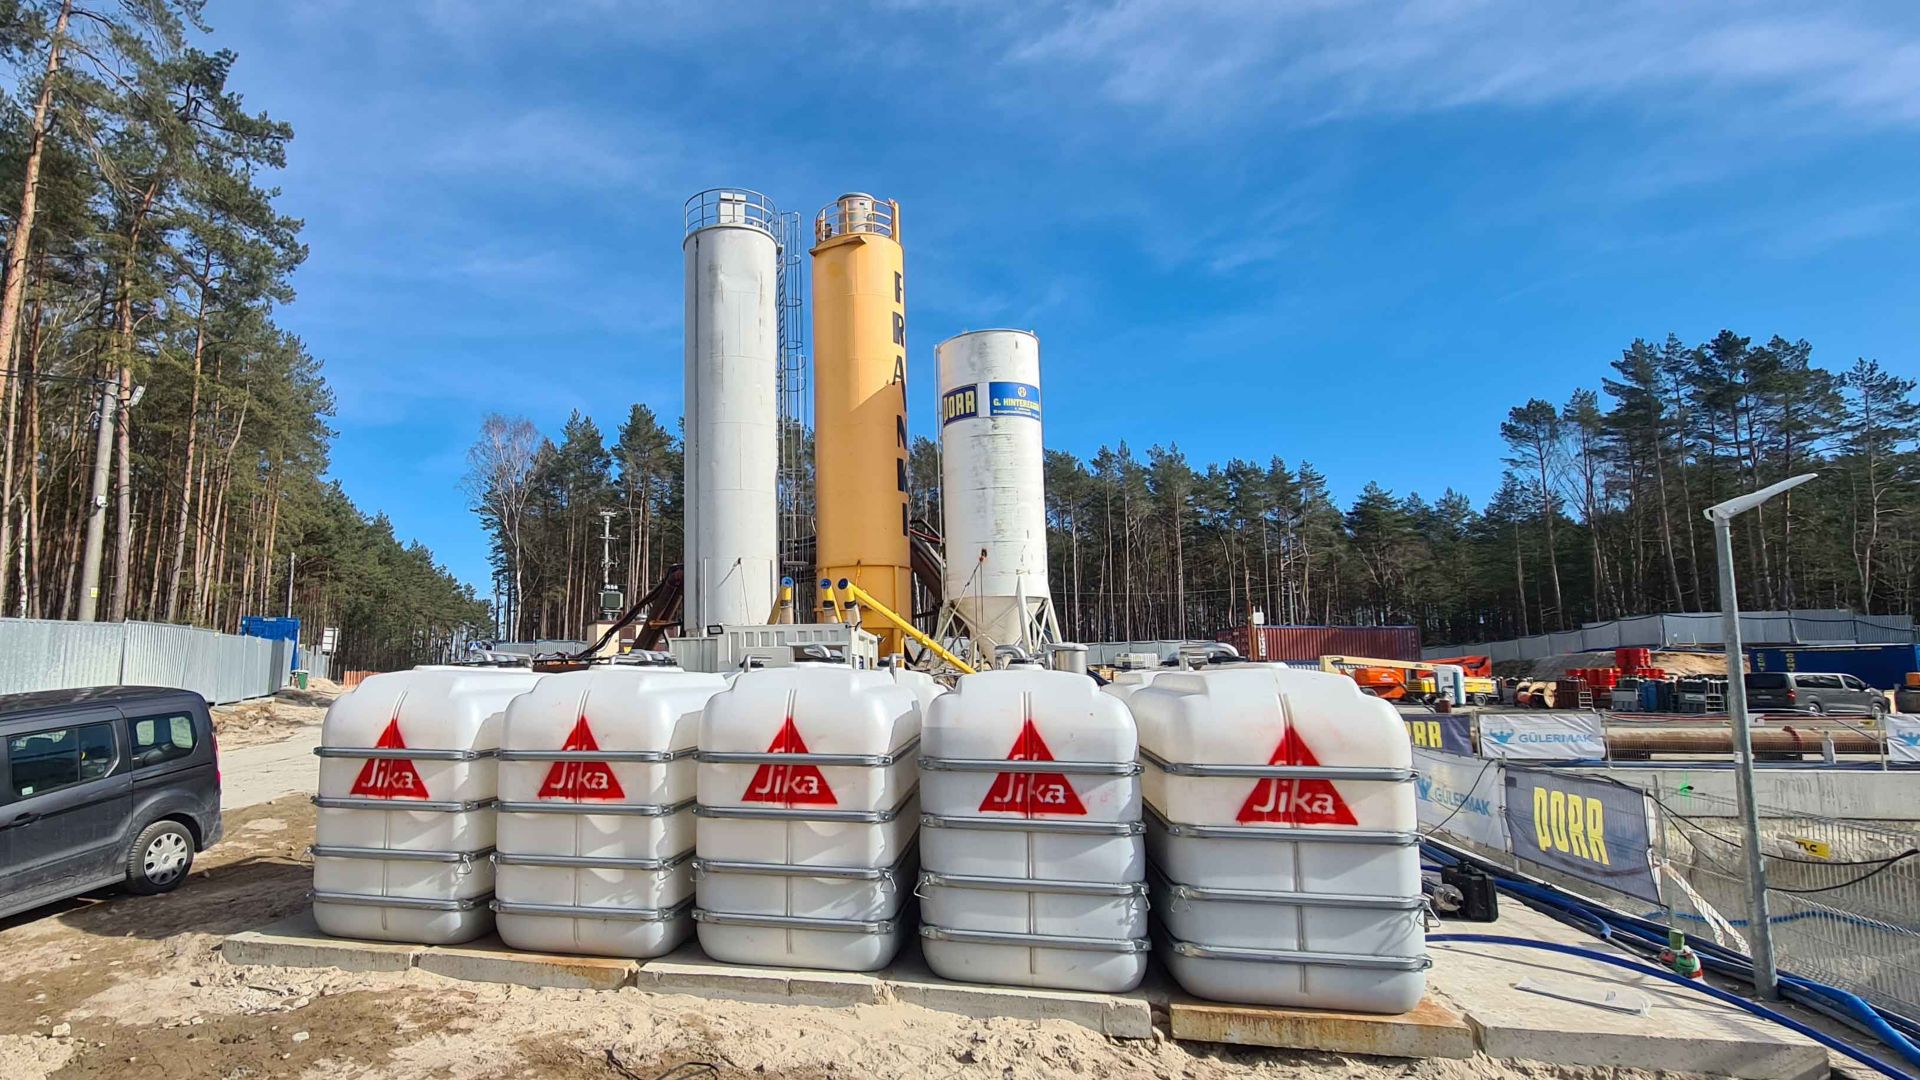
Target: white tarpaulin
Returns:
[[1543, 736], [1461, 796], [1903, 738]]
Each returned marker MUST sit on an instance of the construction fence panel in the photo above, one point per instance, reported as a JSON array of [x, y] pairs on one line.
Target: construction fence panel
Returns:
[[1844, 896], [1640, 632], [45, 654], [1601, 636], [1845, 905], [1693, 630], [1769, 627]]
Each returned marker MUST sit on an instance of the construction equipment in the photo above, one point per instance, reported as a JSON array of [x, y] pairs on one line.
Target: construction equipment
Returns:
[[662, 608], [1397, 680], [1473, 667], [853, 598]]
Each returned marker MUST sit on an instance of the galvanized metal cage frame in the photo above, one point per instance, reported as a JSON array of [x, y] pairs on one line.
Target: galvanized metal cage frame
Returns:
[[732, 206]]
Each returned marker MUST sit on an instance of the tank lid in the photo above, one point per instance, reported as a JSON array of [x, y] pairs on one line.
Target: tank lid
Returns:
[[992, 330]]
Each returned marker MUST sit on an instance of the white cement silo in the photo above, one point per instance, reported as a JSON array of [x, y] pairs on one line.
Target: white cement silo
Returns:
[[731, 438], [993, 489]]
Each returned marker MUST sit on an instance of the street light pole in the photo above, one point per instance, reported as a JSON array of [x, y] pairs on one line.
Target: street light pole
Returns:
[[291, 555], [1766, 977]]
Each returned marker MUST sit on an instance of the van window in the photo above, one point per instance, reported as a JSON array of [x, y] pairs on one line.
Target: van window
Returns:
[[50, 760], [1767, 680], [158, 739]]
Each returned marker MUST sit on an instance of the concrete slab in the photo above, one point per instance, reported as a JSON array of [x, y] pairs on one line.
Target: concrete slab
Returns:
[[487, 960], [297, 942], [1685, 1031], [688, 971], [1117, 1016], [1433, 1029]]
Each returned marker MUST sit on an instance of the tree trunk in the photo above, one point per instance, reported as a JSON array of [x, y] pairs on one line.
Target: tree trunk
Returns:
[[18, 245], [123, 504], [186, 472]]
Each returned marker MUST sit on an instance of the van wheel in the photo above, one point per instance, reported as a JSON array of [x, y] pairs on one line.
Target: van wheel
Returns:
[[1816, 708], [160, 858]]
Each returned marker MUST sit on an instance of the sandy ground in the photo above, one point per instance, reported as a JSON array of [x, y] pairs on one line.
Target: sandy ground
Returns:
[[271, 720], [1674, 663], [115, 984]]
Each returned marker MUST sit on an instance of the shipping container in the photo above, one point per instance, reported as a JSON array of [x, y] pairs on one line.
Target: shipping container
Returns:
[[1883, 667], [271, 627], [1297, 643]]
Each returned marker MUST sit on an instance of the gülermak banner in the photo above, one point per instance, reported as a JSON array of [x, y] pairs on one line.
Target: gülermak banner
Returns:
[[1543, 736], [1460, 796], [1903, 738]]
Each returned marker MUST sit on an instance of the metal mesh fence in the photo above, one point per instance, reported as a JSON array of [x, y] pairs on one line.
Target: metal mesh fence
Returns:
[[1845, 898], [1844, 894]]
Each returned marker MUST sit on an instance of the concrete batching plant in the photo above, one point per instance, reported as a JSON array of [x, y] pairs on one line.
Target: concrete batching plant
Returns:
[[732, 355], [860, 402], [992, 487]]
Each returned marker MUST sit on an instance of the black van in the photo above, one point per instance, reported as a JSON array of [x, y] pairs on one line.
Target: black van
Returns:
[[100, 786]]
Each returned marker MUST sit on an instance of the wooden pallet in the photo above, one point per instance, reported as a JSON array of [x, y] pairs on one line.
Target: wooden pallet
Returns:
[[1432, 1029]]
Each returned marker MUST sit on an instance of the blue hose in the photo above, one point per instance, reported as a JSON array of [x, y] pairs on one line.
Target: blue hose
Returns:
[[1714, 992]]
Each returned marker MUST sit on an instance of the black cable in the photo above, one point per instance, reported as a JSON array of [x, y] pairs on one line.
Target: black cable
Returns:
[[1695, 824], [1910, 852]]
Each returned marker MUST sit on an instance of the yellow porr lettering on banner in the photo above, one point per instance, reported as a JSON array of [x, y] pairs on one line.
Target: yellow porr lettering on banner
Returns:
[[1571, 825], [1424, 733]]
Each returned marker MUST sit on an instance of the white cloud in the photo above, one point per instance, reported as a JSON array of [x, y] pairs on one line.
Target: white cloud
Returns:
[[1315, 60], [566, 148]]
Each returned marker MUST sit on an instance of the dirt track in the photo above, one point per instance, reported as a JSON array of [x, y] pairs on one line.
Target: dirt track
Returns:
[[138, 984], [269, 720]]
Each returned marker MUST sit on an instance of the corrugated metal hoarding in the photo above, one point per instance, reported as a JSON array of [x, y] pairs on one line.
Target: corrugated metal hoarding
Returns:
[[1690, 630], [1314, 642], [47, 654]]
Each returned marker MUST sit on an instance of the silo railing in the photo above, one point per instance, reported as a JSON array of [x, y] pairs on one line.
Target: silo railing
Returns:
[[857, 214], [732, 206]]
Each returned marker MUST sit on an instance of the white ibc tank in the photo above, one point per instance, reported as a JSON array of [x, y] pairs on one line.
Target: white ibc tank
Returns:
[[992, 478], [1125, 684], [732, 359], [807, 814], [596, 812], [1281, 829], [406, 805], [1031, 842]]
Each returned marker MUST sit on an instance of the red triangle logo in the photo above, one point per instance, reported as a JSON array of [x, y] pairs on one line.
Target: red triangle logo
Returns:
[[1295, 802], [390, 778], [581, 779], [1032, 793], [789, 785]]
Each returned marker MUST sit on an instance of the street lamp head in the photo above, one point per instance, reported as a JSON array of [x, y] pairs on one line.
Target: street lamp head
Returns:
[[1733, 507]]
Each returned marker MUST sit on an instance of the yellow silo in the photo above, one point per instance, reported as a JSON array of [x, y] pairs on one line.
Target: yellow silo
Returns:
[[860, 403]]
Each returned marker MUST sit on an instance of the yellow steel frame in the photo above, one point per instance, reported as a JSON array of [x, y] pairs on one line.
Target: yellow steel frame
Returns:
[[865, 599]]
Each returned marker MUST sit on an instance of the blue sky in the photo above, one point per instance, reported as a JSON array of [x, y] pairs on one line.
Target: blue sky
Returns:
[[1344, 231]]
